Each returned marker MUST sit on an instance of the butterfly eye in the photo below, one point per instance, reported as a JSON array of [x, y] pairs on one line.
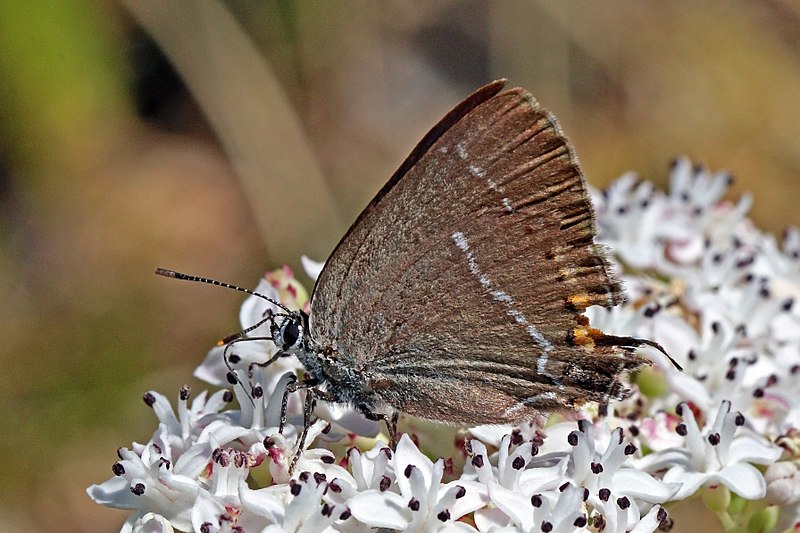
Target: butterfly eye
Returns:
[[289, 334]]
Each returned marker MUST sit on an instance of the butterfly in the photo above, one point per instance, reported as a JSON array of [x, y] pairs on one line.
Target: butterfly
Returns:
[[457, 294]]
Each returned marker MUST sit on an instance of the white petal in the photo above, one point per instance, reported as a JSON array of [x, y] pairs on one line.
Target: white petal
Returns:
[[691, 481], [476, 496], [115, 493], [744, 479], [213, 370], [492, 519], [491, 433], [254, 308], [312, 268], [515, 505], [267, 502], [649, 522], [380, 509], [643, 486], [206, 509], [193, 461], [407, 454], [149, 523], [753, 450]]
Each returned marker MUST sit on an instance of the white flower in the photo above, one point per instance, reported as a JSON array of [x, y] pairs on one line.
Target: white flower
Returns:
[[563, 482], [722, 453], [783, 483], [147, 523], [417, 501], [702, 281]]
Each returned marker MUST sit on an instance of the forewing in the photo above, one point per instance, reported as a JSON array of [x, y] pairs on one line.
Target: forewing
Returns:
[[457, 291]]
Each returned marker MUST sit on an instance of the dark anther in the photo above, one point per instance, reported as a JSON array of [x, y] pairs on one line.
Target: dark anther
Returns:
[[477, 461], [461, 492], [227, 396], [547, 526], [257, 392], [413, 504], [444, 516], [623, 502], [604, 494], [651, 311], [597, 468], [345, 514], [518, 463], [739, 420], [714, 439], [295, 487], [231, 377], [564, 487], [599, 522], [234, 359], [149, 399], [184, 393], [327, 509], [223, 459], [536, 500], [385, 483], [408, 470], [334, 487], [138, 489], [681, 429], [630, 449], [328, 459], [516, 437], [572, 439], [580, 521], [758, 393], [118, 469], [319, 477]]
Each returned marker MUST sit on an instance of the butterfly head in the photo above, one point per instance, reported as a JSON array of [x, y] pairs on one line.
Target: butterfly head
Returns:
[[289, 331]]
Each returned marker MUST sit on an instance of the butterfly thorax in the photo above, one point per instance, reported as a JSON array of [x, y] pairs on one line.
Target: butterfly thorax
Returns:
[[341, 381], [332, 371]]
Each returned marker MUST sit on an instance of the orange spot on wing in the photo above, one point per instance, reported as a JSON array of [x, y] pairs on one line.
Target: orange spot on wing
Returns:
[[579, 301]]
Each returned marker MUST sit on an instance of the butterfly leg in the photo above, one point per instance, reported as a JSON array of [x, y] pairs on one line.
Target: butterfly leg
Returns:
[[291, 388], [389, 420], [308, 408]]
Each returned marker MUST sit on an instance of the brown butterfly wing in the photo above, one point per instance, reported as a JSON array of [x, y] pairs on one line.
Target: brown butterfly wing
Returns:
[[457, 292]]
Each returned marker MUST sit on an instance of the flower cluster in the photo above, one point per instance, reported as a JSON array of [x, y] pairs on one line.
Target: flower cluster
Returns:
[[702, 281]]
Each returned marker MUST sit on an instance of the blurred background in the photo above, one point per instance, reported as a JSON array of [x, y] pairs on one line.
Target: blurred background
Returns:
[[228, 138]]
